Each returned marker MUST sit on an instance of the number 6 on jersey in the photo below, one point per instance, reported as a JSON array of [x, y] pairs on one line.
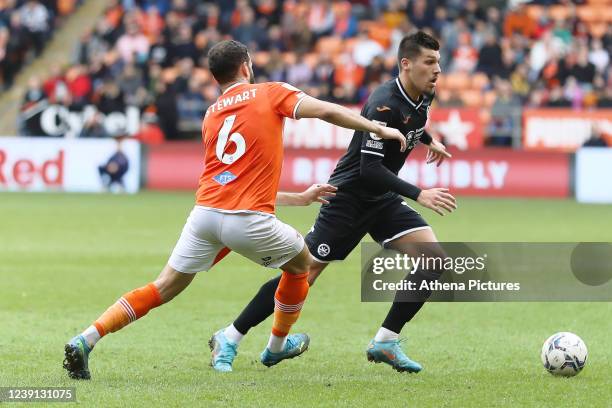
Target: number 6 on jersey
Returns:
[[237, 138]]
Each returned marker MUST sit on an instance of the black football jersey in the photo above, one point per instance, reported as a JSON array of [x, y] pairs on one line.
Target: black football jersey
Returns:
[[389, 105]]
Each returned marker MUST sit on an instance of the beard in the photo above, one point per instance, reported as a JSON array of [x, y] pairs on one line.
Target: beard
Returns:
[[251, 76]]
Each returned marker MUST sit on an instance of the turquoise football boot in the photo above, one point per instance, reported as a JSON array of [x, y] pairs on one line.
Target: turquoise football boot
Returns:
[[223, 352], [295, 345], [391, 353], [76, 358]]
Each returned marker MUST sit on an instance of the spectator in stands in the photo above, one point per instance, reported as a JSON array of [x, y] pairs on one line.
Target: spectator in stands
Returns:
[[149, 132], [131, 85], [518, 20], [78, 83], [465, 57], [573, 92], [299, 73], [275, 68], [473, 13], [191, 107], [556, 99], [598, 56], [249, 32], [133, 46], [345, 22], [490, 56], [35, 18], [420, 13], [183, 46], [111, 98], [583, 70], [366, 49], [505, 115], [321, 19], [167, 112]]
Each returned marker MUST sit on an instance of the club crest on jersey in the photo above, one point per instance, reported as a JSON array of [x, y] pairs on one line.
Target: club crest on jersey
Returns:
[[373, 135], [225, 177], [323, 250], [413, 137]]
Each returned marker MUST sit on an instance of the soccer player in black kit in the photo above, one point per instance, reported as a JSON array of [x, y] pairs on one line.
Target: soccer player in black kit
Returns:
[[369, 201]]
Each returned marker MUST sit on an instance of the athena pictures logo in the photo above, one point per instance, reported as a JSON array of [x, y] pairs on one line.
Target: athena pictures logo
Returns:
[[323, 250]]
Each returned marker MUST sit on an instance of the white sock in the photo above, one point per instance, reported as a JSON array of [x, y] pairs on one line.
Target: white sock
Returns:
[[385, 335], [276, 344], [233, 334], [91, 336]]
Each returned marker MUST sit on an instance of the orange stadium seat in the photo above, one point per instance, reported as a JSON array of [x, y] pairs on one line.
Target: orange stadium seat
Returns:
[[485, 116], [65, 7], [480, 81], [349, 44], [202, 75], [558, 12], [598, 30], [381, 34], [311, 59], [489, 98], [587, 13], [535, 11], [331, 45], [457, 81], [261, 58], [472, 98], [289, 58]]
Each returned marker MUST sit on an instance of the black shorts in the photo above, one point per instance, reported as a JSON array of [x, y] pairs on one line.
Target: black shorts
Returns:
[[343, 223]]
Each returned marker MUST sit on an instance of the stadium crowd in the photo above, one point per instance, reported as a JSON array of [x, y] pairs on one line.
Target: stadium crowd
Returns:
[[25, 28], [496, 55]]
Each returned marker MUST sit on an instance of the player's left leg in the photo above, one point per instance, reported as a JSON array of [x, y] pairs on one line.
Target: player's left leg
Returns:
[[409, 234], [267, 241]]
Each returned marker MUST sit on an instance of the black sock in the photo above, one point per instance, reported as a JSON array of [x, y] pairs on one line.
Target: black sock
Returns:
[[259, 308], [401, 313], [408, 303]]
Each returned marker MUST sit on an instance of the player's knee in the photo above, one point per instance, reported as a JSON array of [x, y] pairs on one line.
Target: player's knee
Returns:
[[300, 264], [315, 271], [170, 283]]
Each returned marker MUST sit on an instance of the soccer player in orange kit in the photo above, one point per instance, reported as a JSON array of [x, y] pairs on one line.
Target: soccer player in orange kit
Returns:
[[238, 190]]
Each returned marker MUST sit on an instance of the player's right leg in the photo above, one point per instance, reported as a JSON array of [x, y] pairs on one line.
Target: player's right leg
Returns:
[[195, 251], [340, 226], [131, 306]]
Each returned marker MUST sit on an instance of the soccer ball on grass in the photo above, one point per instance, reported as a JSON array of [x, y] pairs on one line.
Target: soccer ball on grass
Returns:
[[564, 354]]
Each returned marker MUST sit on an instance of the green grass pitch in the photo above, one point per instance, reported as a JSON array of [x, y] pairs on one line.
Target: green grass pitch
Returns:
[[65, 258]]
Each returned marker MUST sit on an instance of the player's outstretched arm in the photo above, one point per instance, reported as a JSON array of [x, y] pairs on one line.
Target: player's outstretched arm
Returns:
[[340, 116], [375, 174], [316, 192]]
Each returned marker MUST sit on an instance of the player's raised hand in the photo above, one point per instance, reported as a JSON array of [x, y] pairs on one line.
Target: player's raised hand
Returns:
[[392, 134], [438, 200], [437, 153], [318, 193]]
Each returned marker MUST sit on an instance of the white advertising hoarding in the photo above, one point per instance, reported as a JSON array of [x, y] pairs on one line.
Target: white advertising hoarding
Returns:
[[593, 175], [76, 165]]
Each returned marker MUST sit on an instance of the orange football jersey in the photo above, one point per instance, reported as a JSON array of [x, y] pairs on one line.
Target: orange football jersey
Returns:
[[243, 146]]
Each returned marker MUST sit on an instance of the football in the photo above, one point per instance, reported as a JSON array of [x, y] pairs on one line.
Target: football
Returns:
[[564, 354]]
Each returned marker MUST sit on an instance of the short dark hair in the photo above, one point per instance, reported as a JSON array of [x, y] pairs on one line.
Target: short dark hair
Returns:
[[225, 58], [410, 46]]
